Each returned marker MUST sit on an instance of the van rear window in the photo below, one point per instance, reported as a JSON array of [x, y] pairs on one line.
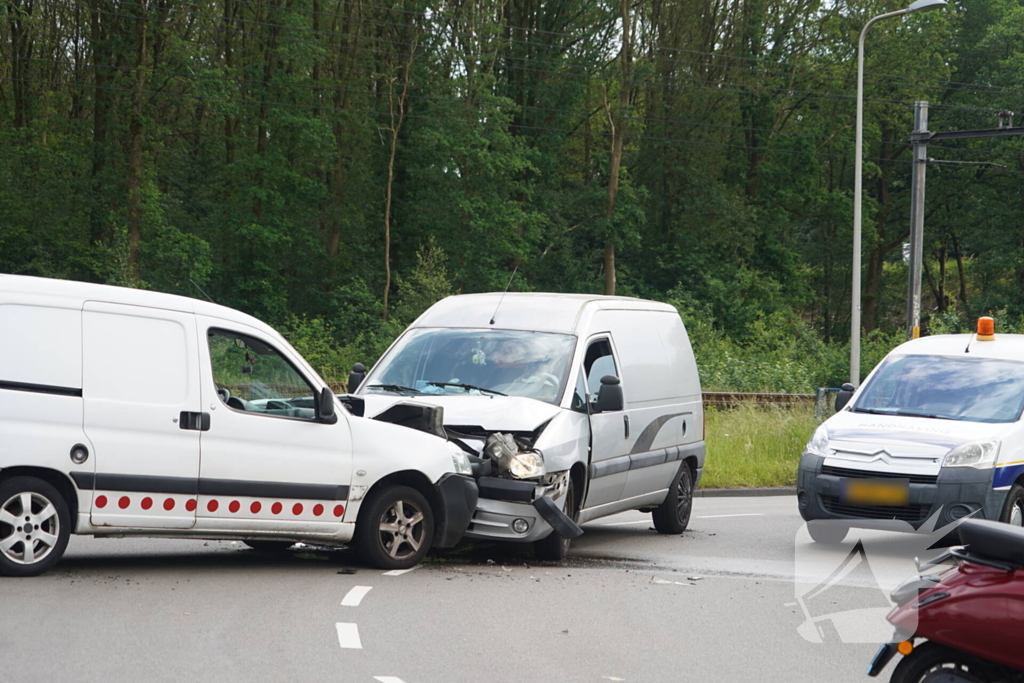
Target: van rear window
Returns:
[[948, 388]]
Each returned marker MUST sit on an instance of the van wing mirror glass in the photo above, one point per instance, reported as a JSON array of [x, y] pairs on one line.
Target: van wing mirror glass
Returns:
[[355, 378], [325, 411], [609, 398], [844, 395]]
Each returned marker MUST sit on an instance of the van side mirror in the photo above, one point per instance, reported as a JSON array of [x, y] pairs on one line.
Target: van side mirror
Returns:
[[844, 395], [355, 378], [326, 405], [609, 398]]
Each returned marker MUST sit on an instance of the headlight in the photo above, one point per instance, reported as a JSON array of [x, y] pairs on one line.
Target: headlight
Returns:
[[978, 454], [529, 464], [460, 461], [818, 445]]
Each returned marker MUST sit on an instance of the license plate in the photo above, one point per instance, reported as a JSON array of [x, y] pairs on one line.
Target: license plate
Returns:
[[893, 492]]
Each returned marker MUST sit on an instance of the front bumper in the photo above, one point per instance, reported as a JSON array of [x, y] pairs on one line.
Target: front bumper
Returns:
[[502, 501], [458, 494], [956, 492]]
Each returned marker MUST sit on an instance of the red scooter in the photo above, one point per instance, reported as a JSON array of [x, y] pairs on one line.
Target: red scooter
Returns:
[[965, 625]]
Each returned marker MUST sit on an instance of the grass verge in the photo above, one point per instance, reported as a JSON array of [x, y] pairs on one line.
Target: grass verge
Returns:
[[752, 446]]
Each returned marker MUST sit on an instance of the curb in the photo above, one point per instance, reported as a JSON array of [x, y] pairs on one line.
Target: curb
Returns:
[[746, 493]]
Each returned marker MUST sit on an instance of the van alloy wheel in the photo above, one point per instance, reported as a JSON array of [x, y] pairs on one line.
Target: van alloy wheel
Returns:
[[1017, 514], [1013, 510], [35, 525], [402, 529], [29, 528]]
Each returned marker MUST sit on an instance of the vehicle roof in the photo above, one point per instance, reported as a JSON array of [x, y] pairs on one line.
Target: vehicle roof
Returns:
[[1004, 346], [534, 311], [74, 294]]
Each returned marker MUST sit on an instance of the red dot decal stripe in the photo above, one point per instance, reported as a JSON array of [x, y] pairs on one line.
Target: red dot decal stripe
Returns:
[[101, 501], [339, 510], [212, 506], [297, 509], [124, 502], [234, 506], [169, 504], [276, 508], [255, 507], [190, 504], [147, 503], [318, 509]]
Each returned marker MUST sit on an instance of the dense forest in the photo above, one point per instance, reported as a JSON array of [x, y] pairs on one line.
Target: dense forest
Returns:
[[334, 166]]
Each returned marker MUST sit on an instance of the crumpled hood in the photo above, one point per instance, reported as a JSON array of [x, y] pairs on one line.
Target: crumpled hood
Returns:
[[900, 441], [493, 413]]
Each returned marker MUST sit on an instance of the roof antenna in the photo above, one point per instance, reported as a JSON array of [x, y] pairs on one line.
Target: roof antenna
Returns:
[[502, 298], [201, 290]]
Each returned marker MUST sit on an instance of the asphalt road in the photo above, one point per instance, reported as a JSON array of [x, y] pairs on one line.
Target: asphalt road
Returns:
[[716, 604]]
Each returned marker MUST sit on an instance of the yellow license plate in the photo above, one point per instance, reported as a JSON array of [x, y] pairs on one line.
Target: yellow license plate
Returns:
[[876, 492]]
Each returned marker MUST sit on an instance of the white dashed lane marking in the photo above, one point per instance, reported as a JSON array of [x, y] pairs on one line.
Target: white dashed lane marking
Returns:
[[399, 572], [355, 596], [388, 679], [348, 636], [642, 521], [745, 514]]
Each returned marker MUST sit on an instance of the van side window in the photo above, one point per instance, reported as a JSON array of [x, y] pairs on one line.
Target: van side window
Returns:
[[254, 377], [598, 362]]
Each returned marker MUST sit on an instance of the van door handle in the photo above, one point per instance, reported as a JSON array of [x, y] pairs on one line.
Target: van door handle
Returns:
[[625, 420], [197, 421]]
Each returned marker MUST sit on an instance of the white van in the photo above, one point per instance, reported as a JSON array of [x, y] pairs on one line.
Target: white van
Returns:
[[571, 407], [126, 412], [934, 431]]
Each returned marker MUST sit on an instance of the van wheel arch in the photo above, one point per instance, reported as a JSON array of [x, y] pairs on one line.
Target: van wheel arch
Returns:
[[54, 478], [413, 479]]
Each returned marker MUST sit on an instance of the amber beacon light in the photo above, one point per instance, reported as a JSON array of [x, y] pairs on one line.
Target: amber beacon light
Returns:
[[986, 329]]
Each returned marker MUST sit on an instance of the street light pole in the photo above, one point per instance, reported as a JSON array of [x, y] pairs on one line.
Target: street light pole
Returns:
[[858, 182]]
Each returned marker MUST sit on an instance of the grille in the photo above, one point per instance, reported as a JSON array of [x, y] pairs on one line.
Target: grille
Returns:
[[908, 513], [861, 474]]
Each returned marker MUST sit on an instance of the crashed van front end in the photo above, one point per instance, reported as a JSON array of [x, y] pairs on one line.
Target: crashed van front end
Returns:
[[520, 452], [524, 481]]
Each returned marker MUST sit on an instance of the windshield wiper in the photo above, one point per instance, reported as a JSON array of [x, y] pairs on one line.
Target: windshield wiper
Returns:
[[466, 387], [900, 413], [393, 387]]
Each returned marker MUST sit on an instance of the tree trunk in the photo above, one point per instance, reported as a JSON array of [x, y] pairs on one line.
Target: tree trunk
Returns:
[[617, 122], [135, 131]]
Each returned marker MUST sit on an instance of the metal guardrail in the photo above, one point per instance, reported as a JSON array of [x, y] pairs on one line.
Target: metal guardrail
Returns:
[[731, 399]]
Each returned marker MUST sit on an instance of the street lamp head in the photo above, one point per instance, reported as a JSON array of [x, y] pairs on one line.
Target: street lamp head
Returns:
[[925, 5]]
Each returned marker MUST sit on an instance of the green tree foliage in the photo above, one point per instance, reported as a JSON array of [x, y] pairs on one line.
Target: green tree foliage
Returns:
[[297, 159]]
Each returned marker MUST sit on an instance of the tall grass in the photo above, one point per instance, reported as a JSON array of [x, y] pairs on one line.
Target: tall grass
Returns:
[[755, 445]]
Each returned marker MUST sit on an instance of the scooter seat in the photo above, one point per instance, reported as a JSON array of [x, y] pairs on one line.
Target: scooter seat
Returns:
[[993, 541]]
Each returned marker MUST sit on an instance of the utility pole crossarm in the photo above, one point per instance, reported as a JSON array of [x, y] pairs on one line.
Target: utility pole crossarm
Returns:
[[962, 134]]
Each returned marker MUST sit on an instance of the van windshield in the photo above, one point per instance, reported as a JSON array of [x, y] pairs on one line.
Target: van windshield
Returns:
[[476, 361], [948, 388]]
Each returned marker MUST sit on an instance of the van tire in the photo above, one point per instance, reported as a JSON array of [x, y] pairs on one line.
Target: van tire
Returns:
[[389, 516], [1013, 510], [673, 515], [269, 546], [55, 525], [553, 547]]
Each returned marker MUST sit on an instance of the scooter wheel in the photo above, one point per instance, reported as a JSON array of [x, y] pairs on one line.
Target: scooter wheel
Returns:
[[934, 663]]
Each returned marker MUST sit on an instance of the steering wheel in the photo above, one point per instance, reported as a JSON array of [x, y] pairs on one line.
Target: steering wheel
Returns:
[[546, 377], [224, 394]]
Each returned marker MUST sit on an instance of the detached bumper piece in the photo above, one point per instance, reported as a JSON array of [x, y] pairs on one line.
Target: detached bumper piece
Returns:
[[559, 521], [882, 657], [458, 494]]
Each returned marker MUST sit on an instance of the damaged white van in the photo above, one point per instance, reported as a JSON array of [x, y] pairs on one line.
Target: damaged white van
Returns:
[[934, 433], [132, 413], [570, 407]]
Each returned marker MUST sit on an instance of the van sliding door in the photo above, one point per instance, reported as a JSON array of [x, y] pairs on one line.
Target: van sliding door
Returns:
[[142, 401]]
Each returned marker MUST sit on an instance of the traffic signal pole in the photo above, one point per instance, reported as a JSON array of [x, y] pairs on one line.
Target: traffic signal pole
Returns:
[[920, 139]]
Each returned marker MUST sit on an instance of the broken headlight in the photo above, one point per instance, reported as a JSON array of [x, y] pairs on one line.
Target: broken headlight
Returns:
[[460, 461], [525, 465]]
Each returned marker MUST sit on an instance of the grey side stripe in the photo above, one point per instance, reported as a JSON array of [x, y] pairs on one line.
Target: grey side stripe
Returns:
[[650, 432]]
